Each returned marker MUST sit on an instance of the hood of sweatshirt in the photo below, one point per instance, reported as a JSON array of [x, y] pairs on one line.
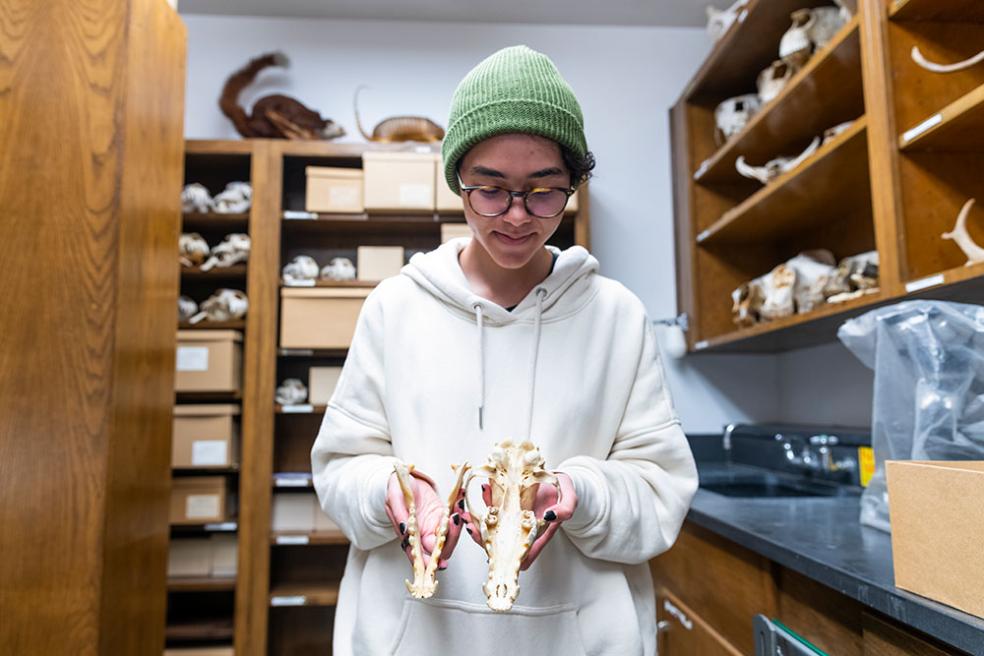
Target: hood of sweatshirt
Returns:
[[563, 292]]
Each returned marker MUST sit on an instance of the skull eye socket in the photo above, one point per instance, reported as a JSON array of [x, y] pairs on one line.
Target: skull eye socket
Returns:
[[740, 106]]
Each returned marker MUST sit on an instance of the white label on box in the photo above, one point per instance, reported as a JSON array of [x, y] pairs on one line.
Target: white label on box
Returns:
[[192, 358], [201, 505], [295, 215], [923, 283], [298, 408], [292, 539], [292, 482], [415, 195], [209, 452], [929, 123], [343, 196], [284, 600]]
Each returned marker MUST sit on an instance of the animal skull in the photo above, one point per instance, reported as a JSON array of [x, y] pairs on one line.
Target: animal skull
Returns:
[[187, 308], [291, 392], [340, 268], [223, 305], [853, 277], [776, 167], [192, 249], [424, 583], [236, 198], [195, 198], [920, 59], [732, 115], [300, 271], [811, 30], [779, 286], [830, 133], [813, 270], [720, 21], [773, 80], [509, 526], [962, 237], [233, 250], [746, 302]]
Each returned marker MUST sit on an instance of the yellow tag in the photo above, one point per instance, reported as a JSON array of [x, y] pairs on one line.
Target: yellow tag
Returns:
[[866, 464]]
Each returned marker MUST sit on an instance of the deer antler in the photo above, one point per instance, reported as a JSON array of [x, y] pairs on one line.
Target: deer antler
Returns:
[[962, 237], [920, 59]]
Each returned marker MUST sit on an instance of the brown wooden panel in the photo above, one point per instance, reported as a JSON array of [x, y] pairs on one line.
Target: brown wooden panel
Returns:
[[938, 10], [304, 631], [961, 127], [91, 135], [682, 632], [882, 638], [826, 618]]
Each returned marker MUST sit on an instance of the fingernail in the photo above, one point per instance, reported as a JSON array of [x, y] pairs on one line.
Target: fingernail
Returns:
[[550, 515], [461, 504], [456, 518], [405, 543], [403, 527], [469, 530], [441, 569]]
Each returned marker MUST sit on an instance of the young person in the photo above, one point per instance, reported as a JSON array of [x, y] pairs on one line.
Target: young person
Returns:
[[493, 337]]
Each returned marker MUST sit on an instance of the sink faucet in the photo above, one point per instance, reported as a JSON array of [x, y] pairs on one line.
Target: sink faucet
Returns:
[[821, 460]]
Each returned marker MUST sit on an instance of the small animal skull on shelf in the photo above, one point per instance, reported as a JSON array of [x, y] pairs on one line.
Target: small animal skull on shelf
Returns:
[[719, 21], [187, 308], [962, 237], [779, 286], [509, 526], [300, 271], [855, 276], [237, 197], [733, 114], [340, 268], [773, 80], [195, 198], [776, 167], [831, 133], [291, 392], [233, 250], [813, 270], [192, 249], [812, 29], [223, 305]]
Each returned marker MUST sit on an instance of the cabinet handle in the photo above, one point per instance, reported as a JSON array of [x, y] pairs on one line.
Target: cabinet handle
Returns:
[[678, 614], [662, 626]]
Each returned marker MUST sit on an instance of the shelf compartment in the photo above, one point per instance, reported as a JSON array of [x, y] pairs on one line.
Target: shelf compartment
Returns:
[[956, 276], [957, 127], [239, 324], [230, 526], [826, 92], [300, 538], [334, 283], [218, 273], [217, 221], [205, 630], [835, 177], [204, 471], [303, 595], [970, 11], [201, 584]]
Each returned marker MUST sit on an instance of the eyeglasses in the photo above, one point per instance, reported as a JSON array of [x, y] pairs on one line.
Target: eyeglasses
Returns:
[[541, 202]]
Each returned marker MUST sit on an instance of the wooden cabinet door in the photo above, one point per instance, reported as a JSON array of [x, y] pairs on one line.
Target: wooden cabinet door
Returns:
[[684, 633]]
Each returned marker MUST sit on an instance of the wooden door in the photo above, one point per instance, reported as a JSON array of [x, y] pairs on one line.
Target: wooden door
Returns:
[[682, 632]]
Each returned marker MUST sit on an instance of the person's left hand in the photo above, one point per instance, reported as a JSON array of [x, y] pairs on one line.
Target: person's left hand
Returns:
[[545, 507]]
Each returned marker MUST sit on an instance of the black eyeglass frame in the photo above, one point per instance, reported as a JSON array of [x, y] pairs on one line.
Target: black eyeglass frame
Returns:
[[568, 191]]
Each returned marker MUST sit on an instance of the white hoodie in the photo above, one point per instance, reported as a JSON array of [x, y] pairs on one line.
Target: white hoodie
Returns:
[[574, 368]]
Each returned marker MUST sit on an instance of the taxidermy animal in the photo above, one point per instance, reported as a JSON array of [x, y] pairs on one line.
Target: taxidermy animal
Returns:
[[509, 526], [963, 239], [275, 116], [719, 21], [424, 583], [399, 128], [920, 59]]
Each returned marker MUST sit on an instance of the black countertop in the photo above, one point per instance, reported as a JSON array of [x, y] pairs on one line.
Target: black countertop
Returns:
[[822, 538]]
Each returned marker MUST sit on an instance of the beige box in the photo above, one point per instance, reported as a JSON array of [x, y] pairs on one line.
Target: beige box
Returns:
[[446, 201], [204, 435], [321, 384], [224, 552], [198, 499], [451, 231], [334, 190], [209, 361], [937, 522], [379, 262], [399, 182], [293, 511], [322, 317], [199, 651], [187, 557]]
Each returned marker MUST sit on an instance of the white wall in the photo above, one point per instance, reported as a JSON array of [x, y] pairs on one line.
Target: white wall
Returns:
[[626, 80]]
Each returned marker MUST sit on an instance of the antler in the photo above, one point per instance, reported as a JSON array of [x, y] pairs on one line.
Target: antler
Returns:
[[962, 237], [920, 59]]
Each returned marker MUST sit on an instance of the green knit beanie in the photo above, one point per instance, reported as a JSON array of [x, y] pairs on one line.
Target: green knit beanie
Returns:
[[515, 90]]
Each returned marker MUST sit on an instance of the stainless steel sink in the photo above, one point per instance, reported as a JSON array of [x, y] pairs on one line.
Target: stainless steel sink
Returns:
[[769, 485]]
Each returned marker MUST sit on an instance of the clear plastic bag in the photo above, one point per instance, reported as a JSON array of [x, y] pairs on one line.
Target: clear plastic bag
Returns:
[[928, 359]]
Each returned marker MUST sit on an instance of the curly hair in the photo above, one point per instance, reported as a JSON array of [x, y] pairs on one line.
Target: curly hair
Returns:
[[581, 168]]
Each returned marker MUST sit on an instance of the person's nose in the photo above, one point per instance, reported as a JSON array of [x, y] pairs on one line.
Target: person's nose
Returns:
[[516, 214]]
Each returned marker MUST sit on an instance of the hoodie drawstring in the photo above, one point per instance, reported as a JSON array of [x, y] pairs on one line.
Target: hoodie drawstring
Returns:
[[481, 365], [540, 293]]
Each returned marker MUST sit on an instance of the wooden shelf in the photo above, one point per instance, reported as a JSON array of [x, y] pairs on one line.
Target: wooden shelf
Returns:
[[204, 471], [957, 127], [311, 353], [228, 526], [292, 538], [218, 273], [196, 221], [973, 274], [966, 11], [834, 177], [334, 283], [239, 324], [826, 92], [219, 146], [285, 595], [211, 630], [201, 584], [299, 409], [293, 481], [204, 397], [334, 149]]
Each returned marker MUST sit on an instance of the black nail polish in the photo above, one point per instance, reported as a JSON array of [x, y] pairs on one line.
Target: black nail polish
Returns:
[[461, 504], [550, 515], [441, 569], [405, 543], [403, 527], [456, 518], [469, 530]]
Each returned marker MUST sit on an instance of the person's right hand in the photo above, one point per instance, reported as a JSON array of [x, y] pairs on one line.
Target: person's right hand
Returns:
[[430, 510]]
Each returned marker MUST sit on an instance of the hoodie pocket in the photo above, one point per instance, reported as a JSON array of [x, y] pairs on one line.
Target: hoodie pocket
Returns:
[[436, 626]]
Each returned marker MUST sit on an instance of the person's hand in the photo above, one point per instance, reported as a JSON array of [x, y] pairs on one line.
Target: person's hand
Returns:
[[430, 510], [545, 507]]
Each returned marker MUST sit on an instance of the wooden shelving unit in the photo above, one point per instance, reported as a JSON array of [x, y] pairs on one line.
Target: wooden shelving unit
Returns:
[[872, 187], [206, 221], [238, 324], [293, 538], [218, 273], [303, 595], [201, 584]]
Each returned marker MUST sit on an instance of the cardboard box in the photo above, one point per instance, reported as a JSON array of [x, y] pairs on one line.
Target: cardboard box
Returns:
[[198, 499], [322, 317], [379, 262], [334, 190], [199, 651], [937, 521], [209, 361], [187, 557], [224, 554], [204, 435], [321, 384], [446, 201], [451, 231], [293, 511], [399, 182]]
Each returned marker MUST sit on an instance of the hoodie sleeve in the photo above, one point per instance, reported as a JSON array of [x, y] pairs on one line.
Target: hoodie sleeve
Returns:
[[632, 504], [352, 457]]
